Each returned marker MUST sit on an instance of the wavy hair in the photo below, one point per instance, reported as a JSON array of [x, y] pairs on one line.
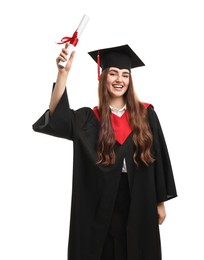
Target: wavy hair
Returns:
[[142, 136]]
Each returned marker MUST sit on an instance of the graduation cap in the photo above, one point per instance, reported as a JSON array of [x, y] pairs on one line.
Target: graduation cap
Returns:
[[122, 57]]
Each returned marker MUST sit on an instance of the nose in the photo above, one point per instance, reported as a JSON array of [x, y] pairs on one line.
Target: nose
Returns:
[[119, 77]]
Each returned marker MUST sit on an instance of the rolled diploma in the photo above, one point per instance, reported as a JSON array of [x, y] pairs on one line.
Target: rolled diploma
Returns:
[[71, 47]]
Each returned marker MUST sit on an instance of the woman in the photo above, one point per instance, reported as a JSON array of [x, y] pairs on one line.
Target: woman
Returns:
[[122, 173]]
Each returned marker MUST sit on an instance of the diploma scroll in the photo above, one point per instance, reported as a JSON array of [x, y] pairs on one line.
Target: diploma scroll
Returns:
[[74, 39]]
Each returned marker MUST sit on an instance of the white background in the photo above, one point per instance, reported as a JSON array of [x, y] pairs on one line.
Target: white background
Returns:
[[36, 170]]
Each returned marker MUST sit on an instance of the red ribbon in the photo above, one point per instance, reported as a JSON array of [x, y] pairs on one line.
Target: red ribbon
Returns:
[[99, 64], [73, 40]]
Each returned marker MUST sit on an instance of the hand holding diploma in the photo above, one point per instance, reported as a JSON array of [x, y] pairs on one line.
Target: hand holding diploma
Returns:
[[65, 58], [61, 81], [64, 62], [72, 41]]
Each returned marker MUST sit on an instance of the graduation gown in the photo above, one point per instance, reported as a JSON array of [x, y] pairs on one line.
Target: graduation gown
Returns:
[[95, 187]]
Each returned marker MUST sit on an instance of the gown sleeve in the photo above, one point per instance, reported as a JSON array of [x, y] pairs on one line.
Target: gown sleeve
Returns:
[[61, 123], [164, 179]]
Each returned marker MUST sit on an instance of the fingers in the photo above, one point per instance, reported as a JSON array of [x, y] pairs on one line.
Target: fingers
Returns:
[[64, 57], [161, 219], [161, 213]]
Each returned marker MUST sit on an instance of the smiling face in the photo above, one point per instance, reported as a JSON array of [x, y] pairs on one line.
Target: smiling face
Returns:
[[117, 82]]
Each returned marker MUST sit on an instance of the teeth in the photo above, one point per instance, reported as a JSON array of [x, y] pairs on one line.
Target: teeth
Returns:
[[117, 86]]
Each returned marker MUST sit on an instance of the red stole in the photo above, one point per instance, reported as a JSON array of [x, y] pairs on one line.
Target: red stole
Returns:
[[121, 126]]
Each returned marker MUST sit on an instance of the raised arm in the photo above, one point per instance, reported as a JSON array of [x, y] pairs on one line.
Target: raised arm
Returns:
[[61, 79]]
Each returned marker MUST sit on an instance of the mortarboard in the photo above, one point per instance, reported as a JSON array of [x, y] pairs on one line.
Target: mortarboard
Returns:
[[122, 57]]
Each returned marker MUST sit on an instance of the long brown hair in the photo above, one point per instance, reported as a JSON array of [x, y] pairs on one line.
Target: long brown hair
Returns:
[[142, 136]]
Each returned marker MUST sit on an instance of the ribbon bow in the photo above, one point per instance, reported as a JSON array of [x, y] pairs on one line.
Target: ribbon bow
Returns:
[[73, 40]]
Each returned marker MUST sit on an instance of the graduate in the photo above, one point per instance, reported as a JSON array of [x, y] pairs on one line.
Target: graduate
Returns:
[[122, 173]]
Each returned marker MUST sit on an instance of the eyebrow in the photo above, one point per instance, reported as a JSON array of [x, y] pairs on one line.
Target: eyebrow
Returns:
[[124, 72]]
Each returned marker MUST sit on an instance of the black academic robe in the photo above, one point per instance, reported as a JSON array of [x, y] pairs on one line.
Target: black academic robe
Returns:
[[95, 186]]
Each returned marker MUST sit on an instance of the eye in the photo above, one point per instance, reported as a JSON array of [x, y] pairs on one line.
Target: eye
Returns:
[[112, 73]]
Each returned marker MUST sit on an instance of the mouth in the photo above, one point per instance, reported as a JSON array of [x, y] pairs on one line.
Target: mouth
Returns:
[[117, 86]]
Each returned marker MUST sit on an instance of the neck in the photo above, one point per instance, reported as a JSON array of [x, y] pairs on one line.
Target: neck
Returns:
[[117, 103]]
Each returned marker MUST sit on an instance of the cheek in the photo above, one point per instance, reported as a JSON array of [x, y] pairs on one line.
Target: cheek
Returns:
[[108, 81], [127, 83], [108, 84]]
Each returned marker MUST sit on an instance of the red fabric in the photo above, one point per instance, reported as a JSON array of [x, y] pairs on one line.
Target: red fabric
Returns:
[[95, 110], [99, 65], [146, 105], [73, 40], [120, 125]]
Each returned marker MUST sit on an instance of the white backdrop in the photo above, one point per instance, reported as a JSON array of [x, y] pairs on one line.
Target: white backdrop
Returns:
[[36, 170]]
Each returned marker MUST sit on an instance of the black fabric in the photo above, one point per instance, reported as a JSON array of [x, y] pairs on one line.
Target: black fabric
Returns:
[[122, 57], [115, 247], [95, 187]]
